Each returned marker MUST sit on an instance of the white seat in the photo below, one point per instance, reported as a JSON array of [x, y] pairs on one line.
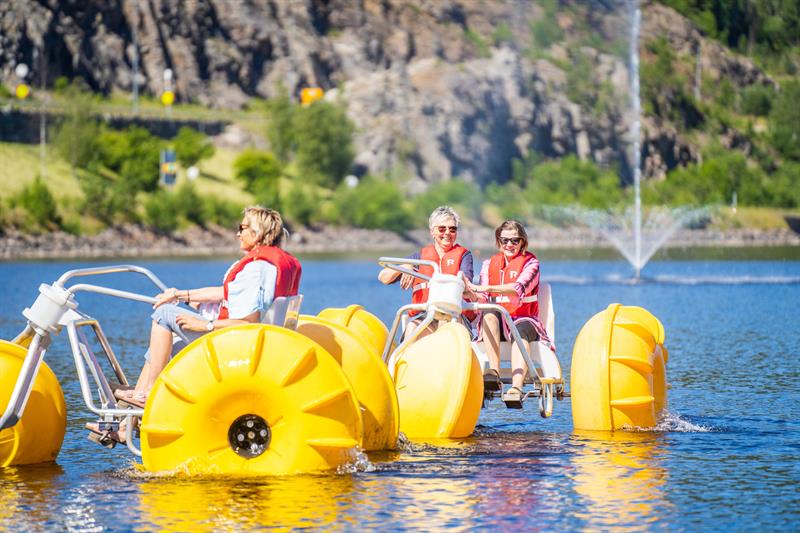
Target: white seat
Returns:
[[284, 311]]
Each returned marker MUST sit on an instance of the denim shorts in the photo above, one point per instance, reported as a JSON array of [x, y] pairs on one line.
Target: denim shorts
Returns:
[[166, 316]]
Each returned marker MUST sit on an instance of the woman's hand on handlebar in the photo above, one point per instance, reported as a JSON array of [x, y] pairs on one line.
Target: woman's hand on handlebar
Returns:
[[167, 297], [406, 281]]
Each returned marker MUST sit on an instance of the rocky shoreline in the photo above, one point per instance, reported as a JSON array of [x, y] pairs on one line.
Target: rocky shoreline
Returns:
[[135, 241]]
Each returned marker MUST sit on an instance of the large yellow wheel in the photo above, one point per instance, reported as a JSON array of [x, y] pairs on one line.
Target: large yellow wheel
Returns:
[[364, 324], [38, 435], [439, 385], [252, 399], [618, 374], [368, 376]]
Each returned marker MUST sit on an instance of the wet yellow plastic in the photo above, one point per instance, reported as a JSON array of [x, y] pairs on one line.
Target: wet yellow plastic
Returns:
[[364, 324], [284, 377], [368, 376], [439, 385], [38, 435], [618, 376]]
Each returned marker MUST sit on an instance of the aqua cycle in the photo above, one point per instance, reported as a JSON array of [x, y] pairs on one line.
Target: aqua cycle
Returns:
[[300, 393]]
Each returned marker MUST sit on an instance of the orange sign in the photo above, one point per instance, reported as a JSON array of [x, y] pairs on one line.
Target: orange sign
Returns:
[[310, 95]]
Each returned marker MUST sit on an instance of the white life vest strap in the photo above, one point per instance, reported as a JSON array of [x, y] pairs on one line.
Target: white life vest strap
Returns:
[[507, 299], [420, 286]]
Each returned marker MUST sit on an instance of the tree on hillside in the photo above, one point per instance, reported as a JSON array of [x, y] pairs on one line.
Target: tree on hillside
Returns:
[[324, 142], [191, 147], [260, 172], [785, 121], [76, 135]]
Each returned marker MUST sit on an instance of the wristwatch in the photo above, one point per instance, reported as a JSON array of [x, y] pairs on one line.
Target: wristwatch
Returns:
[[210, 325]]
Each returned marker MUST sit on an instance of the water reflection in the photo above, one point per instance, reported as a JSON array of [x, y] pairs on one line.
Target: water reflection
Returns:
[[25, 493], [240, 505], [621, 477]]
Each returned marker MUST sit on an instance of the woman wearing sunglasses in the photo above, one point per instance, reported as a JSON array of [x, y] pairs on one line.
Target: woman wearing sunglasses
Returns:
[[511, 279], [444, 251], [248, 288]]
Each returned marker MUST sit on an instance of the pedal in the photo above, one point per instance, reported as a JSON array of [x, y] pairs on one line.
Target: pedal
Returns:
[[513, 404], [513, 398], [102, 440], [491, 382]]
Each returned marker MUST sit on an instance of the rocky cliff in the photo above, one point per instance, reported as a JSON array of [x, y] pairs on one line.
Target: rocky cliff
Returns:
[[445, 88]]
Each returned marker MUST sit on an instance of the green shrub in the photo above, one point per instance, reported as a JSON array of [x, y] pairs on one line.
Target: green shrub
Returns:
[[188, 204], [509, 200], [713, 182], [220, 211], [280, 132], [301, 204], [160, 212], [191, 147], [260, 172], [4, 92], [134, 154], [569, 181], [110, 200], [785, 121], [502, 34], [481, 48], [466, 197], [373, 204], [39, 205], [757, 100], [76, 136], [324, 144]]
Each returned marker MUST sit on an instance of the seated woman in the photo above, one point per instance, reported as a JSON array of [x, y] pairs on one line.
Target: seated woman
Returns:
[[450, 256], [248, 288], [511, 279]]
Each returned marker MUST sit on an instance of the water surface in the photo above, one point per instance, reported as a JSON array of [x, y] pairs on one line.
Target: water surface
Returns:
[[726, 457]]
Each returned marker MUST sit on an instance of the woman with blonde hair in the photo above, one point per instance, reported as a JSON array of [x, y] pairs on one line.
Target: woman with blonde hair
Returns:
[[248, 289]]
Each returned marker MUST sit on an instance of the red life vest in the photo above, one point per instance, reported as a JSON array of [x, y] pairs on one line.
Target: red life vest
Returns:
[[288, 272], [501, 273], [449, 263]]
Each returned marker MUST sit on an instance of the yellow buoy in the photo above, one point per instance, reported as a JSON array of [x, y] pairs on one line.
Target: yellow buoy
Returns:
[[618, 370], [309, 95], [251, 399], [439, 385], [364, 324], [38, 435], [368, 376]]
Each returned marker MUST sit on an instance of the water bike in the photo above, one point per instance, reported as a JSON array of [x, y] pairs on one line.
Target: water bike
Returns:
[[618, 365], [295, 394]]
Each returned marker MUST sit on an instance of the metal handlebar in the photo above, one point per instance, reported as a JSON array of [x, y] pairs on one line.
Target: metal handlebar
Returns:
[[114, 269], [393, 262]]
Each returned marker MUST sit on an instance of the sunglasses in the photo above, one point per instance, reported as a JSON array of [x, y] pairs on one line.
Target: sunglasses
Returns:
[[449, 229], [242, 227], [513, 240]]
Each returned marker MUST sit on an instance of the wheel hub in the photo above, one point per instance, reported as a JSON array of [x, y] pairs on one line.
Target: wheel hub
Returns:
[[249, 436]]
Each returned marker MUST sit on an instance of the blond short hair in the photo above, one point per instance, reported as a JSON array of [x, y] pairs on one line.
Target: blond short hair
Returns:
[[442, 212], [266, 223]]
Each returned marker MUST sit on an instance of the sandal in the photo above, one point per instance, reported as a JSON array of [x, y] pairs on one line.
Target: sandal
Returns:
[[491, 381], [513, 398], [131, 397], [106, 437]]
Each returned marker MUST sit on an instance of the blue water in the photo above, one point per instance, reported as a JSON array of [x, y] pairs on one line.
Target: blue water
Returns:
[[726, 458]]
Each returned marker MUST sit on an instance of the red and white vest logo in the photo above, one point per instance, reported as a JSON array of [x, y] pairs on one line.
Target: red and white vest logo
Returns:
[[513, 274], [451, 262]]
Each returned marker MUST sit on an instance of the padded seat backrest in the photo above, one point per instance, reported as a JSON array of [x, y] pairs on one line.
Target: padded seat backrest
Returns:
[[284, 311]]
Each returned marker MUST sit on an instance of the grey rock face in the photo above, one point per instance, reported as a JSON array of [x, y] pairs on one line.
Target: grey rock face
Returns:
[[417, 82]]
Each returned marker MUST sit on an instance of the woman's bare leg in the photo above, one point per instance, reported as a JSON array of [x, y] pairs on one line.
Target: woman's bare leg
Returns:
[[160, 350], [519, 367], [490, 326]]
